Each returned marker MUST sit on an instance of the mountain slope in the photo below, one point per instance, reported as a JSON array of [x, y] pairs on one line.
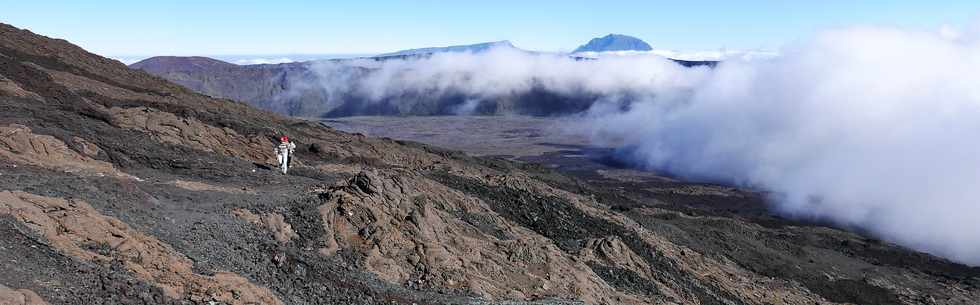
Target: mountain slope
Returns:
[[177, 63], [309, 89], [119, 187], [473, 48], [270, 87], [614, 42]]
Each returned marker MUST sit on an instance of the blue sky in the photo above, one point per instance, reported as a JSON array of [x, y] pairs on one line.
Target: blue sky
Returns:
[[283, 27]]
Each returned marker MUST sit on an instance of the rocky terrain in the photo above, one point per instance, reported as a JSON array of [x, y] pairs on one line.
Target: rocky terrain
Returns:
[[119, 187]]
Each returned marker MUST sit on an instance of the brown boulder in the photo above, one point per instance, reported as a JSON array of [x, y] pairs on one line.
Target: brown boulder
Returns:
[[274, 222], [20, 145]]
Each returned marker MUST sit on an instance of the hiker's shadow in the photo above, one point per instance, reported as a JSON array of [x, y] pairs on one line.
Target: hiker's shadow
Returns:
[[262, 166]]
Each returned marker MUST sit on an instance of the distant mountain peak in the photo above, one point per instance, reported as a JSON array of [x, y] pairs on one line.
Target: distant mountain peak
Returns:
[[614, 42], [474, 48]]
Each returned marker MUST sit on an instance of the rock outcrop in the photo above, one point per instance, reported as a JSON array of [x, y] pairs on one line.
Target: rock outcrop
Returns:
[[19, 297], [18, 144], [415, 231], [76, 229], [168, 128], [275, 223]]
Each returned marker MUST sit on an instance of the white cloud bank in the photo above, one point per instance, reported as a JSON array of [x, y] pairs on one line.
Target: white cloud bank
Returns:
[[710, 55], [869, 127], [500, 74]]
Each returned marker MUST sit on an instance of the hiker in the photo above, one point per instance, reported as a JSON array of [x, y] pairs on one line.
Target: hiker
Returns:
[[284, 153]]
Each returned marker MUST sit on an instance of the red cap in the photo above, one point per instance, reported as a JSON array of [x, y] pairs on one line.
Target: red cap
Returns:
[[284, 139]]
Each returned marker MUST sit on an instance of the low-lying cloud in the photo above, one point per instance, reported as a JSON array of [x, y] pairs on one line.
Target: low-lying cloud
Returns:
[[498, 81], [868, 127], [714, 55], [874, 128], [262, 60]]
